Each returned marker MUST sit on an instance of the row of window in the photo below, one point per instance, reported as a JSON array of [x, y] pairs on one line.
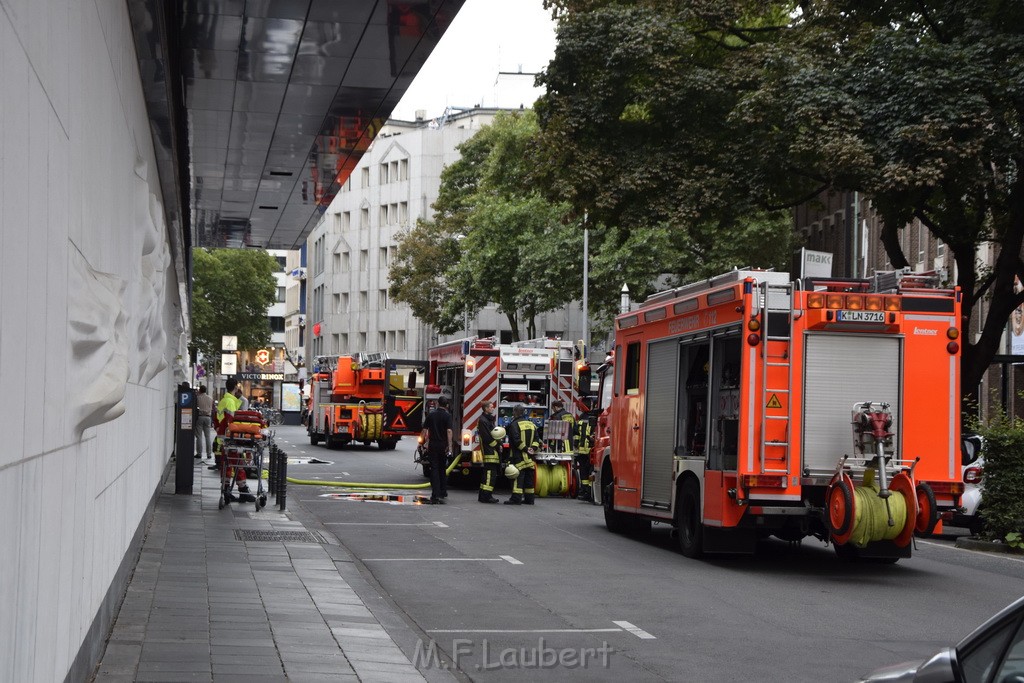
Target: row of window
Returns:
[[396, 213], [387, 172], [343, 261]]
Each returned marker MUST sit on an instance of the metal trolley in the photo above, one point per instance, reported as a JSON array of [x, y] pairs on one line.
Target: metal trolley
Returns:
[[243, 449]]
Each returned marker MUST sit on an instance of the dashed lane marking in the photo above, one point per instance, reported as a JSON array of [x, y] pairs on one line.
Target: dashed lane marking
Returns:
[[510, 559], [638, 632], [621, 626], [503, 558]]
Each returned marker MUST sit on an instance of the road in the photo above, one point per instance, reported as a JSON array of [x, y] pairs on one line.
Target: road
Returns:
[[494, 592]]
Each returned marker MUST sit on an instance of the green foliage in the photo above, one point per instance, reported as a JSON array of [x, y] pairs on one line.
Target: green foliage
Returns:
[[231, 291], [704, 115], [1003, 477], [1015, 540]]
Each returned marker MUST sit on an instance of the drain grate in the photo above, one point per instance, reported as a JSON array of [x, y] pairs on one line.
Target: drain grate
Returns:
[[259, 535]]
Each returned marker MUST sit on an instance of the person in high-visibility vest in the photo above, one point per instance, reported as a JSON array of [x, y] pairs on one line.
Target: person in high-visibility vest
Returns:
[[489, 447], [560, 413], [522, 436], [584, 442]]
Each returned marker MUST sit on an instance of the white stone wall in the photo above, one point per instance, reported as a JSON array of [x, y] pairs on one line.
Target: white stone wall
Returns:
[[89, 328]]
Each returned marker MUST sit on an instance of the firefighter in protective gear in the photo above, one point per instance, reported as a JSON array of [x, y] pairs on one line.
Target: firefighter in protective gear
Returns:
[[490, 442], [522, 436], [584, 439], [560, 413]]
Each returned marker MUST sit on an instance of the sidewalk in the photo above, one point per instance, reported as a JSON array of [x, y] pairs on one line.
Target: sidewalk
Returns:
[[205, 605]]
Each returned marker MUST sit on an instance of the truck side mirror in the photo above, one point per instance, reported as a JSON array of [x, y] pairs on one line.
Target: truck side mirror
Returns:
[[583, 380]]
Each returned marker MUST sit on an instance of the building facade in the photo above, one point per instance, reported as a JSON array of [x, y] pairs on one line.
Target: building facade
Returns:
[[351, 249]]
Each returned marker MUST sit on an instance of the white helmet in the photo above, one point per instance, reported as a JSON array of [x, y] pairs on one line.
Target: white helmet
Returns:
[[511, 471], [498, 433]]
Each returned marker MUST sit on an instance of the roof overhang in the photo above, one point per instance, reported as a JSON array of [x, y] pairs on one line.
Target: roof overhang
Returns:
[[260, 109]]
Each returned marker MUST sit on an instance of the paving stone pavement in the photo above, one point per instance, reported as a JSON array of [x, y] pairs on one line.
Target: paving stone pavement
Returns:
[[203, 605]]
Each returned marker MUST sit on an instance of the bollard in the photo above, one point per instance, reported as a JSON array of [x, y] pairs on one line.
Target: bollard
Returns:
[[272, 470], [282, 479]]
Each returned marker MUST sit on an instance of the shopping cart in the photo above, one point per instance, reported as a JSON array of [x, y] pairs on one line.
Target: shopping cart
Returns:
[[245, 443]]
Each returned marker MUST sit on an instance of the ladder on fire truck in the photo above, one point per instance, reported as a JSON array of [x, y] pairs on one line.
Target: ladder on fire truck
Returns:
[[778, 299]]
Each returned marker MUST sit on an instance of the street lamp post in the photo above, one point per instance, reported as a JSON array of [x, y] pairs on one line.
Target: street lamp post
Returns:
[[586, 283]]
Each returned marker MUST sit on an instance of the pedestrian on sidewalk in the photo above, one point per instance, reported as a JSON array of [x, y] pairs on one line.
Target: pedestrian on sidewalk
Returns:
[[437, 435], [204, 424]]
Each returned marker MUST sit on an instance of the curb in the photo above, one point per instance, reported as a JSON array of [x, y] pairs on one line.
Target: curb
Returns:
[[986, 546]]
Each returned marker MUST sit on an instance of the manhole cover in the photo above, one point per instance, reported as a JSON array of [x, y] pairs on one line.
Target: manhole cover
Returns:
[[380, 497], [259, 535]]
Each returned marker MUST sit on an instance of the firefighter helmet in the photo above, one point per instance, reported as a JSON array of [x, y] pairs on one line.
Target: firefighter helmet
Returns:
[[511, 471], [498, 433]]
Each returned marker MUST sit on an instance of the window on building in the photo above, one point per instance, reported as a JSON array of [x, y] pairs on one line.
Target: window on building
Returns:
[[403, 169], [277, 324], [346, 262], [506, 337], [382, 341], [383, 257], [400, 341], [384, 173], [346, 220], [553, 334], [394, 171], [337, 304], [364, 218], [343, 344], [336, 344], [382, 299], [403, 212], [337, 263], [485, 333], [282, 262], [366, 177], [344, 303], [392, 214], [364, 300], [281, 293], [364, 260], [383, 219], [362, 340]]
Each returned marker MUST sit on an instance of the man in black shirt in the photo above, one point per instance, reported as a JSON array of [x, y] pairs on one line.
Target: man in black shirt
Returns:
[[437, 435]]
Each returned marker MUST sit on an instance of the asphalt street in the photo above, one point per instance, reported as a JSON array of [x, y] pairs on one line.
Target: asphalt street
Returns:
[[493, 592]]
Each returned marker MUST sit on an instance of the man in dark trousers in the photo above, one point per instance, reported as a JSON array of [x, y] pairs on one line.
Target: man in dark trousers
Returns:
[[522, 436], [437, 435]]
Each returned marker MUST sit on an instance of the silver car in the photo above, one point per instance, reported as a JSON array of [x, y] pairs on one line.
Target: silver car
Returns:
[[993, 653]]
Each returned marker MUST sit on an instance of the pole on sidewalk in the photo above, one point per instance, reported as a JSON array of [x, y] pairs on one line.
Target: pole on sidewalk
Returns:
[[282, 479], [184, 439]]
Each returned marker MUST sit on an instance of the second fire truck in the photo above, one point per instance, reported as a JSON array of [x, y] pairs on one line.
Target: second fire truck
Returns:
[[749, 405]]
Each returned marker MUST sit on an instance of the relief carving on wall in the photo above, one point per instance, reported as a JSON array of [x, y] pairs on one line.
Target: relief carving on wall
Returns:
[[98, 336], [150, 336]]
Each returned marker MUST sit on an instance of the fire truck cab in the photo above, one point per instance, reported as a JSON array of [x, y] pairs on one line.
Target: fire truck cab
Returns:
[[750, 405]]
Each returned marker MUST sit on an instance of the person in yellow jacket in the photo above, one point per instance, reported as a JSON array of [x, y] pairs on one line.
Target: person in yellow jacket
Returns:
[[558, 412], [489, 446], [522, 436]]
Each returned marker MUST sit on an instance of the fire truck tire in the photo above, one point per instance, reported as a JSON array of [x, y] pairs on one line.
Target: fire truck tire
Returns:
[[689, 528], [927, 509], [616, 521], [839, 510], [387, 444], [314, 438]]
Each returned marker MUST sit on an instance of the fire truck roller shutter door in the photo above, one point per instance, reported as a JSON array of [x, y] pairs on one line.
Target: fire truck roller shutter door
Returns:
[[660, 420], [841, 369]]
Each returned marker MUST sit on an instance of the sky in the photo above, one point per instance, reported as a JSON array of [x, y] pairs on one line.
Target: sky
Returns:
[[487, 36]]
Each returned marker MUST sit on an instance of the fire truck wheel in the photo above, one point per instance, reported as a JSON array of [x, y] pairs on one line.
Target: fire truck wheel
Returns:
[[839, 504], [314, 438], [689, 528], [387, 444], [927, 509], [613, 519]]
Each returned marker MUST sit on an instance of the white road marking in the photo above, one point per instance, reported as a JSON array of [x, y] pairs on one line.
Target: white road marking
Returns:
[[441, 524], [344, 474], [433, 559], [379, 523], [638, 632], [525, 630], [510, 559]]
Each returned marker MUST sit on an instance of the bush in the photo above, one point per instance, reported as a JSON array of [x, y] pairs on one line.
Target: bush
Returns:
[[1003, 477]]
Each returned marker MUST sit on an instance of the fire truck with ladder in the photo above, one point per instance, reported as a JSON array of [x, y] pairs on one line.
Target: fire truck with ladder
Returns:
[[750, 405], [365, 398], [533, 374]]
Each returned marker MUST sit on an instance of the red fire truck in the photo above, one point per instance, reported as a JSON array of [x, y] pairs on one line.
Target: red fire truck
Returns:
[[365, 398], [532, 374], [748, 405]]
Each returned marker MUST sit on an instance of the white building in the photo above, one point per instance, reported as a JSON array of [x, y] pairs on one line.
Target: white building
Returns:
[[350, 250]]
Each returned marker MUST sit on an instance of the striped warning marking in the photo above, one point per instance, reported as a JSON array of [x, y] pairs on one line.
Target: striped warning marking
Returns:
[[638, 632]]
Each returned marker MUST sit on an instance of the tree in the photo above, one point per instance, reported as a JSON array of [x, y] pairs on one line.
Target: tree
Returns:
[[494, 239], [231, 291], [729, 109]]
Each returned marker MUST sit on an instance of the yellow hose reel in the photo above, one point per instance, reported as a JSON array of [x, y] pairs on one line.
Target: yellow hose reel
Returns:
[[857, 515]]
